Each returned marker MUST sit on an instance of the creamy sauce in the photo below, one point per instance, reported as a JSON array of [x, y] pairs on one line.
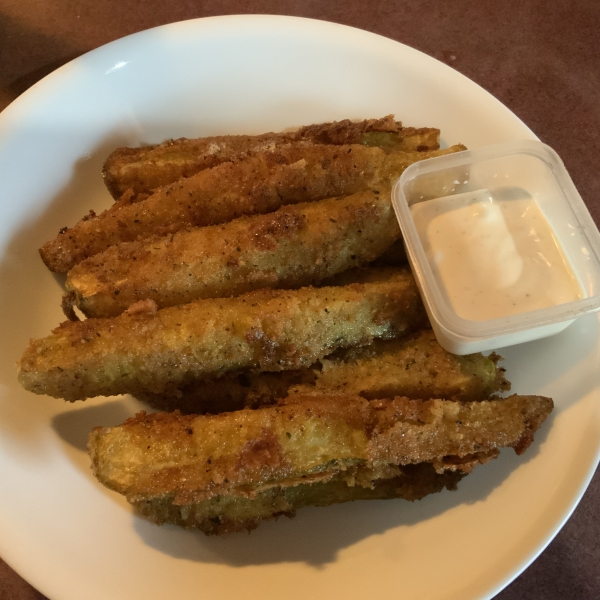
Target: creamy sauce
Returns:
[[495, 257]]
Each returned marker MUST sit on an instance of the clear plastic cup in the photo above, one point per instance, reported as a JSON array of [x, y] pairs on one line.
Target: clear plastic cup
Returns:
[[496, 176]]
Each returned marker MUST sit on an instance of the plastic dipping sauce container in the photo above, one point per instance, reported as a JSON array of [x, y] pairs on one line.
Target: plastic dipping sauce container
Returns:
[[502, 247]]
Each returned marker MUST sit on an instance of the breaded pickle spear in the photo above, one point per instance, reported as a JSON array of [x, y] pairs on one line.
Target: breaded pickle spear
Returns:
[[259, 184], [139, 171], [228, 514], [415, 366], [296, 246], [272, 330], [185, 460]]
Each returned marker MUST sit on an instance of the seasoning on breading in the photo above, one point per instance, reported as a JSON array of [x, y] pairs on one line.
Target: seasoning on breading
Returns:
[[139, 171], [273, 330], [195, 464], [415, 366], [293, 247], [259, 184]]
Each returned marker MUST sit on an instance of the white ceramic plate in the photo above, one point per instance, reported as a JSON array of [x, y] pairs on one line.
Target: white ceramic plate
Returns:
[[71, 538]]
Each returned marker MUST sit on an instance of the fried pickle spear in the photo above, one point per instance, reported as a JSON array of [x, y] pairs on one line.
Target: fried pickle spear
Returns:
[[139, 171], [415, 366], [182, 461], [272, 330], [296, 246], [259, 184]]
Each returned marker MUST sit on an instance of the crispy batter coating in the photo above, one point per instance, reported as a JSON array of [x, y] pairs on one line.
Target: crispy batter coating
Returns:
[[185, 460], [296, 246], [259, 184], [415, 366], [272, 330], [139, 171], [228, 514]]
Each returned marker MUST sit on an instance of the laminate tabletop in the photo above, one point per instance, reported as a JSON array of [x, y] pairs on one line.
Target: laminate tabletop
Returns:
[[540, 58]]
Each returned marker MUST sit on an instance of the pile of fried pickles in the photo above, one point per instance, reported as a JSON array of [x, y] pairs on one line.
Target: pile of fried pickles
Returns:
[[254, 290]]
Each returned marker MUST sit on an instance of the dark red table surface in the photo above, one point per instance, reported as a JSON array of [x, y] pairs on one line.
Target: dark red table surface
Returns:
[[539, 57]]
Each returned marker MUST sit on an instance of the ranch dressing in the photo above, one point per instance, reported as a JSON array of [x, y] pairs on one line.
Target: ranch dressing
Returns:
[[494, 256]]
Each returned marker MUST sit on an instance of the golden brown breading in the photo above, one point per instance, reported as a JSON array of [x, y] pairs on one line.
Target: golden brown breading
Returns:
[[139, 171], [228, 514], [260, 184], [415, 366], [272, 330], [305, 439], [293, 247]]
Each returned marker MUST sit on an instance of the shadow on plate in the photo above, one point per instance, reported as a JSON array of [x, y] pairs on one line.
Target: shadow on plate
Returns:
[[30, 296], [74, 426]]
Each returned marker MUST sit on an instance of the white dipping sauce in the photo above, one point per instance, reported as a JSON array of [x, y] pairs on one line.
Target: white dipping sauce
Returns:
[[494, 257]]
